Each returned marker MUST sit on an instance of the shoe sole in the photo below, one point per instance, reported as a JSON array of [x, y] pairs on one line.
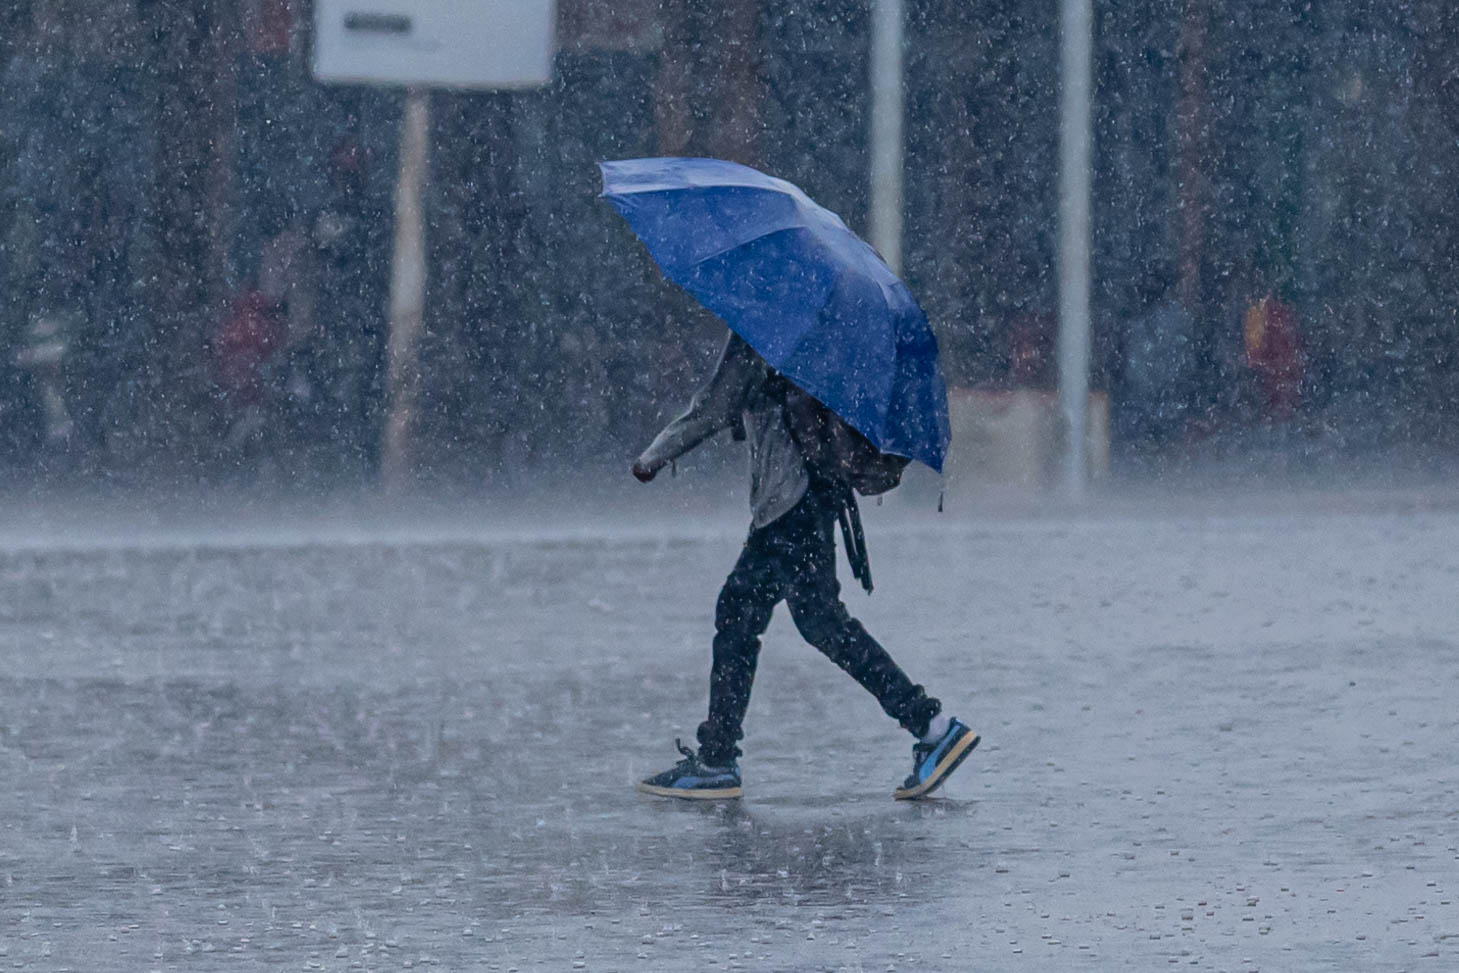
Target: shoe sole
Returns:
[[945, 767], [688, 794]]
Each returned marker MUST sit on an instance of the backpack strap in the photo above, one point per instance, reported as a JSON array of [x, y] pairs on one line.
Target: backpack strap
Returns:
[[807, 421], [805, 418], [848, 514]]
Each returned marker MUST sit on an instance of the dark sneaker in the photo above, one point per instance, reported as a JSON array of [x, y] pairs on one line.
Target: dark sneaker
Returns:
[[693, 780], [932, 762]]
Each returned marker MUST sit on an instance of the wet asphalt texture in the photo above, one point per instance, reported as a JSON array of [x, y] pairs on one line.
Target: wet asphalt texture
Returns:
[[1219, 739]]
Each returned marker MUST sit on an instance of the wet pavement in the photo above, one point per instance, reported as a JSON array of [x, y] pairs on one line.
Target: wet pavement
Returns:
[[1217, 738]]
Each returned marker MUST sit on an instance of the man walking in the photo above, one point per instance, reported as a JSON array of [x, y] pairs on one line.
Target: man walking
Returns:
[[789, 556]]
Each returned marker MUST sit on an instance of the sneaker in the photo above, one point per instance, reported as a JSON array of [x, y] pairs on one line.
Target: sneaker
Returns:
[[693, 780], [932, 762]]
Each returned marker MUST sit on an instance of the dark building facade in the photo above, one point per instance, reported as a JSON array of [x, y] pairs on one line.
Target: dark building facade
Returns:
[[157, 156]]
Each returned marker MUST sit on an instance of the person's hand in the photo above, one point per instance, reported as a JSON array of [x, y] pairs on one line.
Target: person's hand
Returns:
[[643, 473]]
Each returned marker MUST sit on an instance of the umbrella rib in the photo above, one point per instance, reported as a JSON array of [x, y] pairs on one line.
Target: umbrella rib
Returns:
[[741, 243]]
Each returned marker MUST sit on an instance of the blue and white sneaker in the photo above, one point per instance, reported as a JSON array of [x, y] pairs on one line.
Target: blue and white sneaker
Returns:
[[695, 781], [932, 762]]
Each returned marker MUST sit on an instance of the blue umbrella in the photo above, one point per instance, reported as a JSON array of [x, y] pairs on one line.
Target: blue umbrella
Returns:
[[809, 295]]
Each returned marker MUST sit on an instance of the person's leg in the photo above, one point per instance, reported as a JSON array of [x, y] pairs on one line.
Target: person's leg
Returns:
[[813, 596], [942, 743], [746, 602]]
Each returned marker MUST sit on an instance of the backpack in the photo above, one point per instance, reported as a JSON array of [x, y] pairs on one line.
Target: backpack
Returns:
[[836, 453], [834, 450]]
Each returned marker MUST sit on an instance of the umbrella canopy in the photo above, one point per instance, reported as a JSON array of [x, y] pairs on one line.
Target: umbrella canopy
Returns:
[[809, 295]]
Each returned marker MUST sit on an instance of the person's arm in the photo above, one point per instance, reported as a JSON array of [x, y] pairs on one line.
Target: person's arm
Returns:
[[716, 406]]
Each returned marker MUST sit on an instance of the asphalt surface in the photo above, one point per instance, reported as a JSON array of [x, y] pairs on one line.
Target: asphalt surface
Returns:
[[1216, 735]]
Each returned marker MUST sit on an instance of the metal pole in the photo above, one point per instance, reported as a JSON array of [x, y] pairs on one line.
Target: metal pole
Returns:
[[1075, 176], [886, 130], [1190, 186], [407, 290]]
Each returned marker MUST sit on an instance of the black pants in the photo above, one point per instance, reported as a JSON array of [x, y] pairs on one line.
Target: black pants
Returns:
[[794, 559]]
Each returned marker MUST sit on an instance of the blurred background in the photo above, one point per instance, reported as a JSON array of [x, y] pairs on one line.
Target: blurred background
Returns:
[[195, 234]]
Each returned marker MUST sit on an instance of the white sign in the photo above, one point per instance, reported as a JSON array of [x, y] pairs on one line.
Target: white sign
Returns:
[[441, 43]]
